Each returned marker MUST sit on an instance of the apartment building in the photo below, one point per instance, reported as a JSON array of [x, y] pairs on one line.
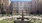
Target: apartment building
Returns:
[[27, 7], [40, 6], [34, 6], [14, 7], [19, 6]]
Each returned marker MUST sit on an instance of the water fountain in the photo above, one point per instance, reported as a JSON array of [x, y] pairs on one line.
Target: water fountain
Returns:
[[22, 20]]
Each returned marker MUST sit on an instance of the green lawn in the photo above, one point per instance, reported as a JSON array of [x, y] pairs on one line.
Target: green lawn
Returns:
[[37, 21], [6, 21]]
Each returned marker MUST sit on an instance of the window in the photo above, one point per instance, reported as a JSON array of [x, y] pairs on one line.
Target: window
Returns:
[[35, 2], [21, 2], [35, 6]]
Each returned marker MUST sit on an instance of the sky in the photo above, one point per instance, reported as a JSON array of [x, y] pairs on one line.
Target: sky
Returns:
[[20, 0]]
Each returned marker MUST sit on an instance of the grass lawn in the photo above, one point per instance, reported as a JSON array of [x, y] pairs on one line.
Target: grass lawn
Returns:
[[6, 21], [36, 21], [11, 21]]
